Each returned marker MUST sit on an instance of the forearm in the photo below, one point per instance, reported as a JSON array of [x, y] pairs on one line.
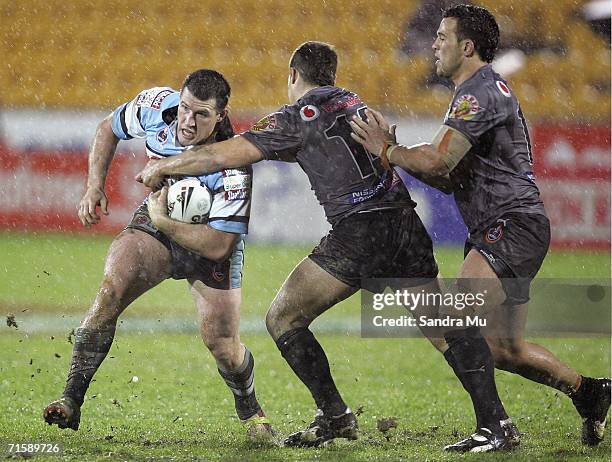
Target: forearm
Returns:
[[198, 160], [201, 239], [101, 154], [442, 183], [422, 159]]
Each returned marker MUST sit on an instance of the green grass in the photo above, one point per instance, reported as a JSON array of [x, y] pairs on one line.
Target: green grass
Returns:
[[180, 409], [51, 273]]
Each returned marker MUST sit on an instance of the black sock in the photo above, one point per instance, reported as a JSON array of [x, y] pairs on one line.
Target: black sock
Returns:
[[242, 384], [90, 349], [584, 391], [451, 361], [304, 354], [470, 357]]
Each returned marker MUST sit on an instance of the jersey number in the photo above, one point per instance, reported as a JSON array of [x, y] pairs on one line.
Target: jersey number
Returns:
[[362, 158], [526, 134]]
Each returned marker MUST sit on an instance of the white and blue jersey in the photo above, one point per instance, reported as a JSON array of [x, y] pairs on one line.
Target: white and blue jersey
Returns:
[[152, 116]]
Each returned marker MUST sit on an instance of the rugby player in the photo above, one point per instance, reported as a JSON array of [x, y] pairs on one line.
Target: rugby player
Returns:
[[482, 152], [153, 247], [376, 233]]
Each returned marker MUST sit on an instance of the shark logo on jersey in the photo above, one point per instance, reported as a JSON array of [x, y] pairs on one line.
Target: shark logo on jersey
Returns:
[[309, 113], [162, 135], [465, 107], [503, 88]]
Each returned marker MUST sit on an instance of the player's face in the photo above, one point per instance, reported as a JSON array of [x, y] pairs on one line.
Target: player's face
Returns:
[[447, 49], [196, 119]]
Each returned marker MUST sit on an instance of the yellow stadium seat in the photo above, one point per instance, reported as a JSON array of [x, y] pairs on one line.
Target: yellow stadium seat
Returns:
[[88, 53]]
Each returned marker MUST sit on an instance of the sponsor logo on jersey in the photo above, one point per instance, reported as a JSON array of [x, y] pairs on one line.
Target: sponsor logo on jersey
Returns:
[[309, 113], [503, 88], [335, 106], [494, 234], [153, 97], [268, 123], [465, 107], [162, 135], [237, 195], [156, 104], [395, 180], [358, 197], [234, 171], [487, 255], [387, 182], [232, 183]]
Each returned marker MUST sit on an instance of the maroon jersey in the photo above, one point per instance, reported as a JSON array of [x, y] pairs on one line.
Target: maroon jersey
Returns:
[[315, 133], [496, 175]]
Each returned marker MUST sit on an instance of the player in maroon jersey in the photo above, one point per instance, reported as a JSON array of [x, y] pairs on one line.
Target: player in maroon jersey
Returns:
[[482, 152]]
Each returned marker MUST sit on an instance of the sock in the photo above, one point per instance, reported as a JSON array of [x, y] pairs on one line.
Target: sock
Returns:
[[242, 384], [306, 357], [451, 361], [470, 357], [90, 349]]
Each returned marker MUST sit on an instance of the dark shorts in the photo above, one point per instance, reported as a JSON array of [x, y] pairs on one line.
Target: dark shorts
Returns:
[[375, 245], [515, 246], [188, 265]]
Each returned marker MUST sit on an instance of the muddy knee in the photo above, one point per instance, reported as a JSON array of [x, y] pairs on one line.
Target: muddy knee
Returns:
[[106, 307], [280, 319]]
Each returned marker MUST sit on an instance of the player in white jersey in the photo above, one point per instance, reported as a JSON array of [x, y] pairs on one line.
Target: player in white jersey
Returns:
[[153, 247]]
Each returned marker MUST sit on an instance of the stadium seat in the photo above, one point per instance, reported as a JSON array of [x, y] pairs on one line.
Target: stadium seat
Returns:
[[95, 54]]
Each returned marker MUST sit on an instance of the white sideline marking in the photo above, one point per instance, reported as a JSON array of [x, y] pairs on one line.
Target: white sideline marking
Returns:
[[64, 323]]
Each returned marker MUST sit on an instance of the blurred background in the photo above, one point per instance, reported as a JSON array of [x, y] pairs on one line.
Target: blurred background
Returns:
[[66, 64]]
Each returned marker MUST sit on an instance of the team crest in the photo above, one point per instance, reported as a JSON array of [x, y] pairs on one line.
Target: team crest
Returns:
[[162, 135], [465, 107], [309, 113], [217, 275], [268, 123], [494, 234], [503, 88]]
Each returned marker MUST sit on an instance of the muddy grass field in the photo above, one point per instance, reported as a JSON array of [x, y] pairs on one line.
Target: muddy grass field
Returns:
[[410, 403]]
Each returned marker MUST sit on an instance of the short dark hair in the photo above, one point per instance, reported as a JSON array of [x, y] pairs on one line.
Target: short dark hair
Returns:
[[316, 62], [206, 84], [478, 25]]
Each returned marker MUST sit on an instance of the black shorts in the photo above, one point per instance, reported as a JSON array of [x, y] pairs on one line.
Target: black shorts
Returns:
[[515, 246], [381, 244], [189, 265]]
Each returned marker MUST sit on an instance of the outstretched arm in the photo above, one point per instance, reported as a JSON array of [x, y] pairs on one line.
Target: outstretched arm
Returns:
[[101, 154], [198, 160]]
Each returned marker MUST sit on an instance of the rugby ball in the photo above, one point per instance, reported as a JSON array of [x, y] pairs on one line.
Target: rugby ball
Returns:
[[189, 201]]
